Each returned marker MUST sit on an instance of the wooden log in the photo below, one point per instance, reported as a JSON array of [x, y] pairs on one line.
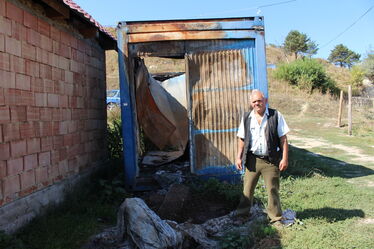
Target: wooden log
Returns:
[[339, 124], [350, 110]]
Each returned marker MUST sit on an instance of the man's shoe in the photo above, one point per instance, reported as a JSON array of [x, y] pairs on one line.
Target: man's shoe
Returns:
[[278, 224]]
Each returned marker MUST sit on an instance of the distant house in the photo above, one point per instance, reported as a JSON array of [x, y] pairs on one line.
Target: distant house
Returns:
[[52, 103]]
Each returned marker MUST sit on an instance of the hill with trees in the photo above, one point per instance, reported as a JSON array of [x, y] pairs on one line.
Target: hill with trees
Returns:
[[341, 68]]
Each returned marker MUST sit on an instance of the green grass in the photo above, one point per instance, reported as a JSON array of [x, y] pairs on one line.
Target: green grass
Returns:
[[69, 226], [331, 210], [319, 187], [328, 184]]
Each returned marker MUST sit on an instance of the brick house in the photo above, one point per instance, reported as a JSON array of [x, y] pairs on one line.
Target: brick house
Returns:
[[52, 103]]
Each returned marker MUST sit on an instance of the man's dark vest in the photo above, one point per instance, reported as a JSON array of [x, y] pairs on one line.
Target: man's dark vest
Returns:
[[271, 134]]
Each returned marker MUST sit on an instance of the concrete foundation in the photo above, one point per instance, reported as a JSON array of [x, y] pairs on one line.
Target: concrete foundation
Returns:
[[20, 212]]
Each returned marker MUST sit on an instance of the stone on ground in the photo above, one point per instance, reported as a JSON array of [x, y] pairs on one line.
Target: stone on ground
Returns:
[[175, 199]]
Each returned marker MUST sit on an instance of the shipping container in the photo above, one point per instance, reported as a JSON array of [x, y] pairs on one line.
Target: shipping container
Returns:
[[224, 59]]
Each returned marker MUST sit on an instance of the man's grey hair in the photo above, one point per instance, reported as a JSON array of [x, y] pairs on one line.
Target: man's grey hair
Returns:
[[254, 91]]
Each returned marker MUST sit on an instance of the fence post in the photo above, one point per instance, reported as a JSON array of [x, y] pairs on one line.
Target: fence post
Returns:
[[340, 109], [350, 110]]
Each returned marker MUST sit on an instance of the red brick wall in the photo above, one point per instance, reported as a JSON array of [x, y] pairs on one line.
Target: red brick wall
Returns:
[[52, 102]]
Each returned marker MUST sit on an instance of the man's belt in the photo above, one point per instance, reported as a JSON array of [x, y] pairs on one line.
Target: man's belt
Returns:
[[266, 158]]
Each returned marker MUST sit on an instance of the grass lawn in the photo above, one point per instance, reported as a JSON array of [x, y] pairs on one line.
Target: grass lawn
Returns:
[[330, 180], [330, 185], [333, 213]]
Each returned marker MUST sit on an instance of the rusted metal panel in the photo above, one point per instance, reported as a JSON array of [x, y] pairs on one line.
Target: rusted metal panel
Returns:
[[158, 49], [218, 45], [204, 29], [180, 48], [156, 126], [185, 25], [162, 117], [219, 84], [191, 35]]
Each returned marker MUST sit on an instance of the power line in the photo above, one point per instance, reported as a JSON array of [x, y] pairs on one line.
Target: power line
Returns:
[[350, 26], [245, 9], [273, 4]]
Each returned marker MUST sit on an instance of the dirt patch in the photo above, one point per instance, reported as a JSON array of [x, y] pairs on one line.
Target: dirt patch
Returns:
[[269, 242], [307, 143], [370, 184], [367, 221], [197, 206], [196, 210], [199, 210], [362, 182]]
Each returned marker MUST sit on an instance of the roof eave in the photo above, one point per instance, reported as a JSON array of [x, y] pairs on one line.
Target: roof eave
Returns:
[[81, 20]]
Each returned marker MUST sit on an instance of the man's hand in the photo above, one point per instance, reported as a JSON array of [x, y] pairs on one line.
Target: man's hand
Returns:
[[283, 164], [284, 145], [238, 164]]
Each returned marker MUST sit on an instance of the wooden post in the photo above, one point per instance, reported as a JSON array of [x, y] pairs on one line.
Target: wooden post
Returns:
[[340, 109], [350, 110]]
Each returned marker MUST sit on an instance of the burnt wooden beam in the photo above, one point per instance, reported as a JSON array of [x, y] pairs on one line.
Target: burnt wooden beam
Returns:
[[107, 43], [56, 9], [88, 32], [53, 14]]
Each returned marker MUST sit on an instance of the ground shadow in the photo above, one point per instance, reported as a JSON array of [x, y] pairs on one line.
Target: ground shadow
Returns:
[[306, 163], [331, 214]]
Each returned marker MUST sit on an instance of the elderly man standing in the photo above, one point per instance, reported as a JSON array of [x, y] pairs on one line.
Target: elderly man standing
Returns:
[[262, 150]]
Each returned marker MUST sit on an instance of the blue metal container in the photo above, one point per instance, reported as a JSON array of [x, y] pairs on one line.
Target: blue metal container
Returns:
[[225, 60]]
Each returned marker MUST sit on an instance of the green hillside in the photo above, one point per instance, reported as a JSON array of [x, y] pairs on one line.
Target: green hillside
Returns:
[[274, 55]]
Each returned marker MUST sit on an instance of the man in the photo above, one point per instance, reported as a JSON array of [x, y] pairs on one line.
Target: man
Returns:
[[262, 150]]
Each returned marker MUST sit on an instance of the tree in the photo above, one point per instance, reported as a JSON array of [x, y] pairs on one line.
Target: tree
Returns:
[[343, 56], [312, 49], [296, 43], [368, 66]]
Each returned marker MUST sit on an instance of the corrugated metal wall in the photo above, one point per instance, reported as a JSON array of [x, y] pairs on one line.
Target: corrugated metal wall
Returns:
[[219, 85]]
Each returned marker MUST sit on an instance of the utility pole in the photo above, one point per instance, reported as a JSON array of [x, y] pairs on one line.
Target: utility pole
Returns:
[[350, 110], [339, 124]]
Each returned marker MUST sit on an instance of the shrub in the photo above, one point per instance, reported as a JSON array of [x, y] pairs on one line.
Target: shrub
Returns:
[[10, 241], [368, 66], [234, 240], [114, 134], [262, 230], [356, 80], [306, 74], [112, 190], [115, 140]]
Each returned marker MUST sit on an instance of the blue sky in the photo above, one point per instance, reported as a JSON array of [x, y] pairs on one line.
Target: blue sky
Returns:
[[327, 22]]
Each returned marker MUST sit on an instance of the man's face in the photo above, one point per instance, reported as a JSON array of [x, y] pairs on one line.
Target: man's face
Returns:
[[258, 103]]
